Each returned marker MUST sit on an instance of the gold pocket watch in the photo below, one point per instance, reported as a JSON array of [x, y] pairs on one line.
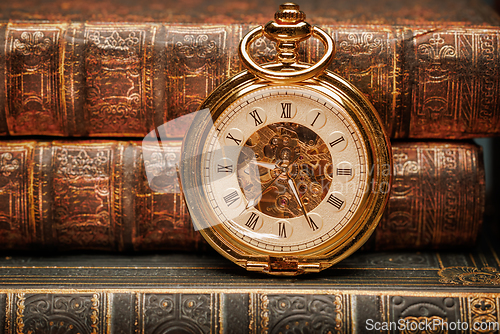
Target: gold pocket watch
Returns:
[[286, 168]]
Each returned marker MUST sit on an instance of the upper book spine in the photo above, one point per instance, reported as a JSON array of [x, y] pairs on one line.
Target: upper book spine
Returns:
[[86, 79]]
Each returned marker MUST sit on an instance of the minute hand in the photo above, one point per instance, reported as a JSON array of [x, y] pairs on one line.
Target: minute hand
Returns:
[[311, 223]]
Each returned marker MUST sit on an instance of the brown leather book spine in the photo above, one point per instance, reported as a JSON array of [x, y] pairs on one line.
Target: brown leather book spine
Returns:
[[126, 79], [437, 198], [89, 195], [96, 195]]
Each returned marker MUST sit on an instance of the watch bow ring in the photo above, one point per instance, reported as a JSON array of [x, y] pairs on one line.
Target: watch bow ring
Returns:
[[286, 167], [288, 31]]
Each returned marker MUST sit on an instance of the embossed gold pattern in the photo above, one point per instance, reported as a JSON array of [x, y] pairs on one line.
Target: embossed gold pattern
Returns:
[[264, 314], [33, 83], [470, 275], [94, 317], [422, 170], [115, 74], [20, 312], [197, 62], [397, 289], [339, 314], [159, 208], [72, 311], [484, 312]]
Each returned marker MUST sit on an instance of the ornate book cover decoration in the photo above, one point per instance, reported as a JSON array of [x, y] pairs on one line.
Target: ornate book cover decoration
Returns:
[[430, 69], [182, 293]]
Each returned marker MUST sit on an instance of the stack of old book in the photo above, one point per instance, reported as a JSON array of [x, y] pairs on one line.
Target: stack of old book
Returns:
[[82, 83]]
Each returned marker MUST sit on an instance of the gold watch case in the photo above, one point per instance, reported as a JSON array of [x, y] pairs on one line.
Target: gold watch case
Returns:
[[243, 246]]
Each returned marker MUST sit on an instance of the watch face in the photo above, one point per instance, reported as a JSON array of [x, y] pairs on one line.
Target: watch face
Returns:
[[284, 169]]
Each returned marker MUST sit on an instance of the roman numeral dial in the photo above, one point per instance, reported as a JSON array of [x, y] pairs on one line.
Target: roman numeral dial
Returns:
[[282, 170], [224, 169], [254, 221], [256, 116], [231, 198], [234, 137], [344, 171], [316, 118], [282, 229], [336, 200], [286, 110], [315, 222], [337, 141]]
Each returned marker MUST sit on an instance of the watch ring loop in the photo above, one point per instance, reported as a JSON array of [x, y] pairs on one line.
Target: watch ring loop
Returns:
[[286, 76]]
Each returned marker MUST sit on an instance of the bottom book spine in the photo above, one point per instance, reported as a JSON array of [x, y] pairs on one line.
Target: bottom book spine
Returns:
[[179, 312]]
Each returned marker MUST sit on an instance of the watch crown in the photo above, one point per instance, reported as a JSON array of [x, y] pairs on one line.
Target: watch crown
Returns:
[[289, 13]]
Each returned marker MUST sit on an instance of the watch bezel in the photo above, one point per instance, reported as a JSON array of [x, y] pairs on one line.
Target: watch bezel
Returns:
[[361, 224]]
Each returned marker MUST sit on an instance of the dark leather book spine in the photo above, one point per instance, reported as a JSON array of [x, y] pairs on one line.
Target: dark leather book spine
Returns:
[[126, 79], [182, 310], [402, 292], [120, 196]]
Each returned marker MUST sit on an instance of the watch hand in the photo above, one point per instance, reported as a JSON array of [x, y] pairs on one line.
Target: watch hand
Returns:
[[267, 165], [292, 185], [252, 202], [283, 170]]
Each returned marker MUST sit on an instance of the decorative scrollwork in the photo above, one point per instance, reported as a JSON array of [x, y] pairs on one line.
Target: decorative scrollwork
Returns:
[[303, 314], [21, 298], [197, 308], [263, 50], [264, 314], [159, 307], [196, 45], [484, 314], [435, 50], [436, 53], [470, 276], [81, 164], [64, 314], [32, 43], [403, 168], [115, 41], [115, 86], [483, 305], [94, 317], [361, 44], [338, 313], [8, 165]]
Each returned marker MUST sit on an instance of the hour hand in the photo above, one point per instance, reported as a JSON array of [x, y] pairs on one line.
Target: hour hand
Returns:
[[267, 165]]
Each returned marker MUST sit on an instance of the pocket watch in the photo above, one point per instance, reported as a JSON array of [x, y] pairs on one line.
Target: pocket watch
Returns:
[[286, 168]]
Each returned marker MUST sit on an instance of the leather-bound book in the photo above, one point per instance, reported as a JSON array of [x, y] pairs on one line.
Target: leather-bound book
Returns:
[[123, 68], [390, 292], [123, 196]]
